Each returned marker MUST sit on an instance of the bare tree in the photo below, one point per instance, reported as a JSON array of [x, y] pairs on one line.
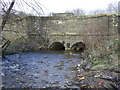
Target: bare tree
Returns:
[[77, 11], [23, 7], [16, 13], [97, 11], [112, 8]]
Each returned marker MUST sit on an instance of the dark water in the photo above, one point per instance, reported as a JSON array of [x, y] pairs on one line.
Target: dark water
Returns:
[[40, 69]]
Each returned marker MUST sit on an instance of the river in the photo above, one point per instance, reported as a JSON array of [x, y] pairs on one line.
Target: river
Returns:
[[40, 69]]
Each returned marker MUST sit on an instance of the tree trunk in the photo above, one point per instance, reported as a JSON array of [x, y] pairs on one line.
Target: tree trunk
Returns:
[[7, 14]]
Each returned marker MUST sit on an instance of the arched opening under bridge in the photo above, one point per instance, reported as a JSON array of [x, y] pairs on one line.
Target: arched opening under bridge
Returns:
[[79, 46], [57, 46]]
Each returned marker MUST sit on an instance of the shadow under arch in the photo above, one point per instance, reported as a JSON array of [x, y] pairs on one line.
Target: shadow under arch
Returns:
[[79, 46], [56, 46]]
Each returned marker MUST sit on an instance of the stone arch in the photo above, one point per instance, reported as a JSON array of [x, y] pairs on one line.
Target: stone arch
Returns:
[[57, 46], [79, 46]]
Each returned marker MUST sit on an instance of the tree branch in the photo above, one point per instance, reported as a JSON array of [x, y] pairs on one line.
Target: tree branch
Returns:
[[7, 14]]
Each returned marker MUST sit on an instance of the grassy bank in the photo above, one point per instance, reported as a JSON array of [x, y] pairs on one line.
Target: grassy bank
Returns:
[[105, 57]]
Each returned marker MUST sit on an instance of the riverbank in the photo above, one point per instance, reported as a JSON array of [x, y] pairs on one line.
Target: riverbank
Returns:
[[101, 69], [107, 79]]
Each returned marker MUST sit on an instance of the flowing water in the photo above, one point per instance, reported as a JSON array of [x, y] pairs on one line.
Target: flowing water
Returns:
[[40, 69]]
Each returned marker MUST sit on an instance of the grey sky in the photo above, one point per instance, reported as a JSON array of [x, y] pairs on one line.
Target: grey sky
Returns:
[[60, 6]]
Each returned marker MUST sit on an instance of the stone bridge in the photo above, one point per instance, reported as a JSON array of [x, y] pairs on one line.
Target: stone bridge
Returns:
[[63, 31]]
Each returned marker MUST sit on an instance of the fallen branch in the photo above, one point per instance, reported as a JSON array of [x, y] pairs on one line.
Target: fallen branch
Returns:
[[6, 45]]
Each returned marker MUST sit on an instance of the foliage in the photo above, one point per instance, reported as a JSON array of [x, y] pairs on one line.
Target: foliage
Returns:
[[108, 58]]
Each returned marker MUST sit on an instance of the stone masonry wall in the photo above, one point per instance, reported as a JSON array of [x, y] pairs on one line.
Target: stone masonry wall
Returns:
[[39, 32]]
